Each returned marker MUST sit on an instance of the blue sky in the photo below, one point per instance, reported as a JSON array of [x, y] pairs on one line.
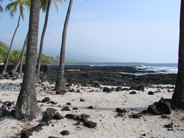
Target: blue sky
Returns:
[[106, 30]]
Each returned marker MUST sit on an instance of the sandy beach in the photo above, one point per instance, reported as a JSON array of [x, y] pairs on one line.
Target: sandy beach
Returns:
[[103, 105]]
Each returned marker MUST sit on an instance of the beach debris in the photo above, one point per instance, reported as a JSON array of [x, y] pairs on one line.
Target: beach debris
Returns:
[[160, 108], [133, 92], [65, 132]]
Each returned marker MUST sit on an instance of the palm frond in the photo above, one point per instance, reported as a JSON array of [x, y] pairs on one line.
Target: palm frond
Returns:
[[22, 12], [10, 6], [55, 5], [1, 9], [61, 1]]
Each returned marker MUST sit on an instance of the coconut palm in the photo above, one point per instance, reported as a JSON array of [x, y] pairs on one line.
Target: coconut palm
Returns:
[[60, 83], [45, 5], [178, 95], [19, 62], [12, 7], [26, 106]]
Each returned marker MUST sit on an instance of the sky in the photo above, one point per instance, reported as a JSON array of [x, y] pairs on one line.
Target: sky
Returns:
[[105, 30]]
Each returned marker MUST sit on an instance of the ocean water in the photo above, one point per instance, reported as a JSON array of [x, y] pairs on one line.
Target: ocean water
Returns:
[[151, 68]]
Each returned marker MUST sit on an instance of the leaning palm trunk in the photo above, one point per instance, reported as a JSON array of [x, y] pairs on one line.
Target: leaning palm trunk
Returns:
[[42, 39], [21, 56], [60, 83], [26, 106], [178, 95], [8, 55]]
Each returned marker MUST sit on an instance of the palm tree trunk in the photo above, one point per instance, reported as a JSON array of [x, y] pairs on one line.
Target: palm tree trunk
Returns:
[[8, 55], [41, 41], [178, 95], [26, 106], [60, 83], [21, 56]]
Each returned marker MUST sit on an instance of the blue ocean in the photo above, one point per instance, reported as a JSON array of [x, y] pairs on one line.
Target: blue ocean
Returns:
[[151, 68]]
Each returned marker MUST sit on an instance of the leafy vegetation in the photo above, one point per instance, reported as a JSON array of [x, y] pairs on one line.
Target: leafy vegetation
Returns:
[[15, 54]]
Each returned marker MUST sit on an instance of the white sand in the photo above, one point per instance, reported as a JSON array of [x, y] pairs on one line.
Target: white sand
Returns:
[[108, 125]]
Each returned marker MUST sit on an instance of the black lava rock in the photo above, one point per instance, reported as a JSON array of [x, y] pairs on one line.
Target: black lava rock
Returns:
[[65, 108], [90, 124], [82, 100], [160, 108], [136, 115], [151, 93], [97, 85], [25, 134], [90, 107], [105, 89], [46, 99], [65, 132], [119, 89], [70, 116], [119, 110], [58, 116], [133, 92]]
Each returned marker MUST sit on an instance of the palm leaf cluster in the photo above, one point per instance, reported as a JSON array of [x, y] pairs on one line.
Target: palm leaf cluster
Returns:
[[12, 7], [1, 9]]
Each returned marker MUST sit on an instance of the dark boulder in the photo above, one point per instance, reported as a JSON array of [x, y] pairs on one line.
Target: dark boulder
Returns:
[[119, 110], [90, 124], [65, 108], [151, 93], [133, 92], [46, 99], [119, 89], [105, 89], [138, 88], [49, 113], [58, 116], [25, 134], [160, 108], [96, 85], [65, 132]]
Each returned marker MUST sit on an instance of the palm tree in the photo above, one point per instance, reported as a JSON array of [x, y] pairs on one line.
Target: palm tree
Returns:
[[178, 95], [19, 62], [60, 83], [12, 7], [26, 106], [1, 9], [44, 7]]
